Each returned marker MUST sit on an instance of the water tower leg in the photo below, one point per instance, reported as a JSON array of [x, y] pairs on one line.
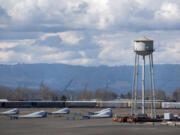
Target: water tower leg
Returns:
[[150, 79], [153, 87], [133, 86], [136, 86], [143, 85]]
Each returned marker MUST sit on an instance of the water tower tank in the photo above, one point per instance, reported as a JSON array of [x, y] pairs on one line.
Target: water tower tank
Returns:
[[143, 46]]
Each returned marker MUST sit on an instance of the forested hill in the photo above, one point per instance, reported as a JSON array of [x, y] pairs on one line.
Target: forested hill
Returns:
[[68, 77]]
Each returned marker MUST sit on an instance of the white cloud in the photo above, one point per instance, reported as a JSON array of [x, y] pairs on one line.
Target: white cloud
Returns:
[[168, 13], [93, 14], [67, 37], [82, 53], [87, 32], [100, 12], [5, 45], [115, 49], [56, 57], [70, 37], [12, 57], [79, 61], [3, 26], [21, 10], [5, 56], [170, 53]]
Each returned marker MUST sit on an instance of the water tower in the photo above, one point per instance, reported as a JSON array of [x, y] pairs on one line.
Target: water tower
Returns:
[[143, 47]]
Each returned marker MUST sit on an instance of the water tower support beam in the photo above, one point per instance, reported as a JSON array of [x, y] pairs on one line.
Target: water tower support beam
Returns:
[[153, 86], [133, 86], [132, 92], [143, 85], [136, 86], [150, 78]]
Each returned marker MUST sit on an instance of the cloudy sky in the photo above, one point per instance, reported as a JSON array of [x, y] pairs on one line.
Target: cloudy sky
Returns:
[[87, 32]]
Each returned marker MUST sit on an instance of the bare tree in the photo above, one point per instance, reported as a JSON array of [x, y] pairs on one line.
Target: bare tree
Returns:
[[48, 94], [5, 93], [160, 94], [176, 94]]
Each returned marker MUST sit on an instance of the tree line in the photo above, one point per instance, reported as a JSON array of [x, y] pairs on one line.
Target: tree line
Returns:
[[46, 93], [159, 95]]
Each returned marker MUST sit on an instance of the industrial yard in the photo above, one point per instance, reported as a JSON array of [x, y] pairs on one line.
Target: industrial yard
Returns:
[[88, 67], [96, 117], [54, 125]]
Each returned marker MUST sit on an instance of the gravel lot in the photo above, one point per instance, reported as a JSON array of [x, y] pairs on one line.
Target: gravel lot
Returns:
[[58, 125]]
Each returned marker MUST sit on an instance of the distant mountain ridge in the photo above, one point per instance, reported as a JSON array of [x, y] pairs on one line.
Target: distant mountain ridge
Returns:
[[69, 77]]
